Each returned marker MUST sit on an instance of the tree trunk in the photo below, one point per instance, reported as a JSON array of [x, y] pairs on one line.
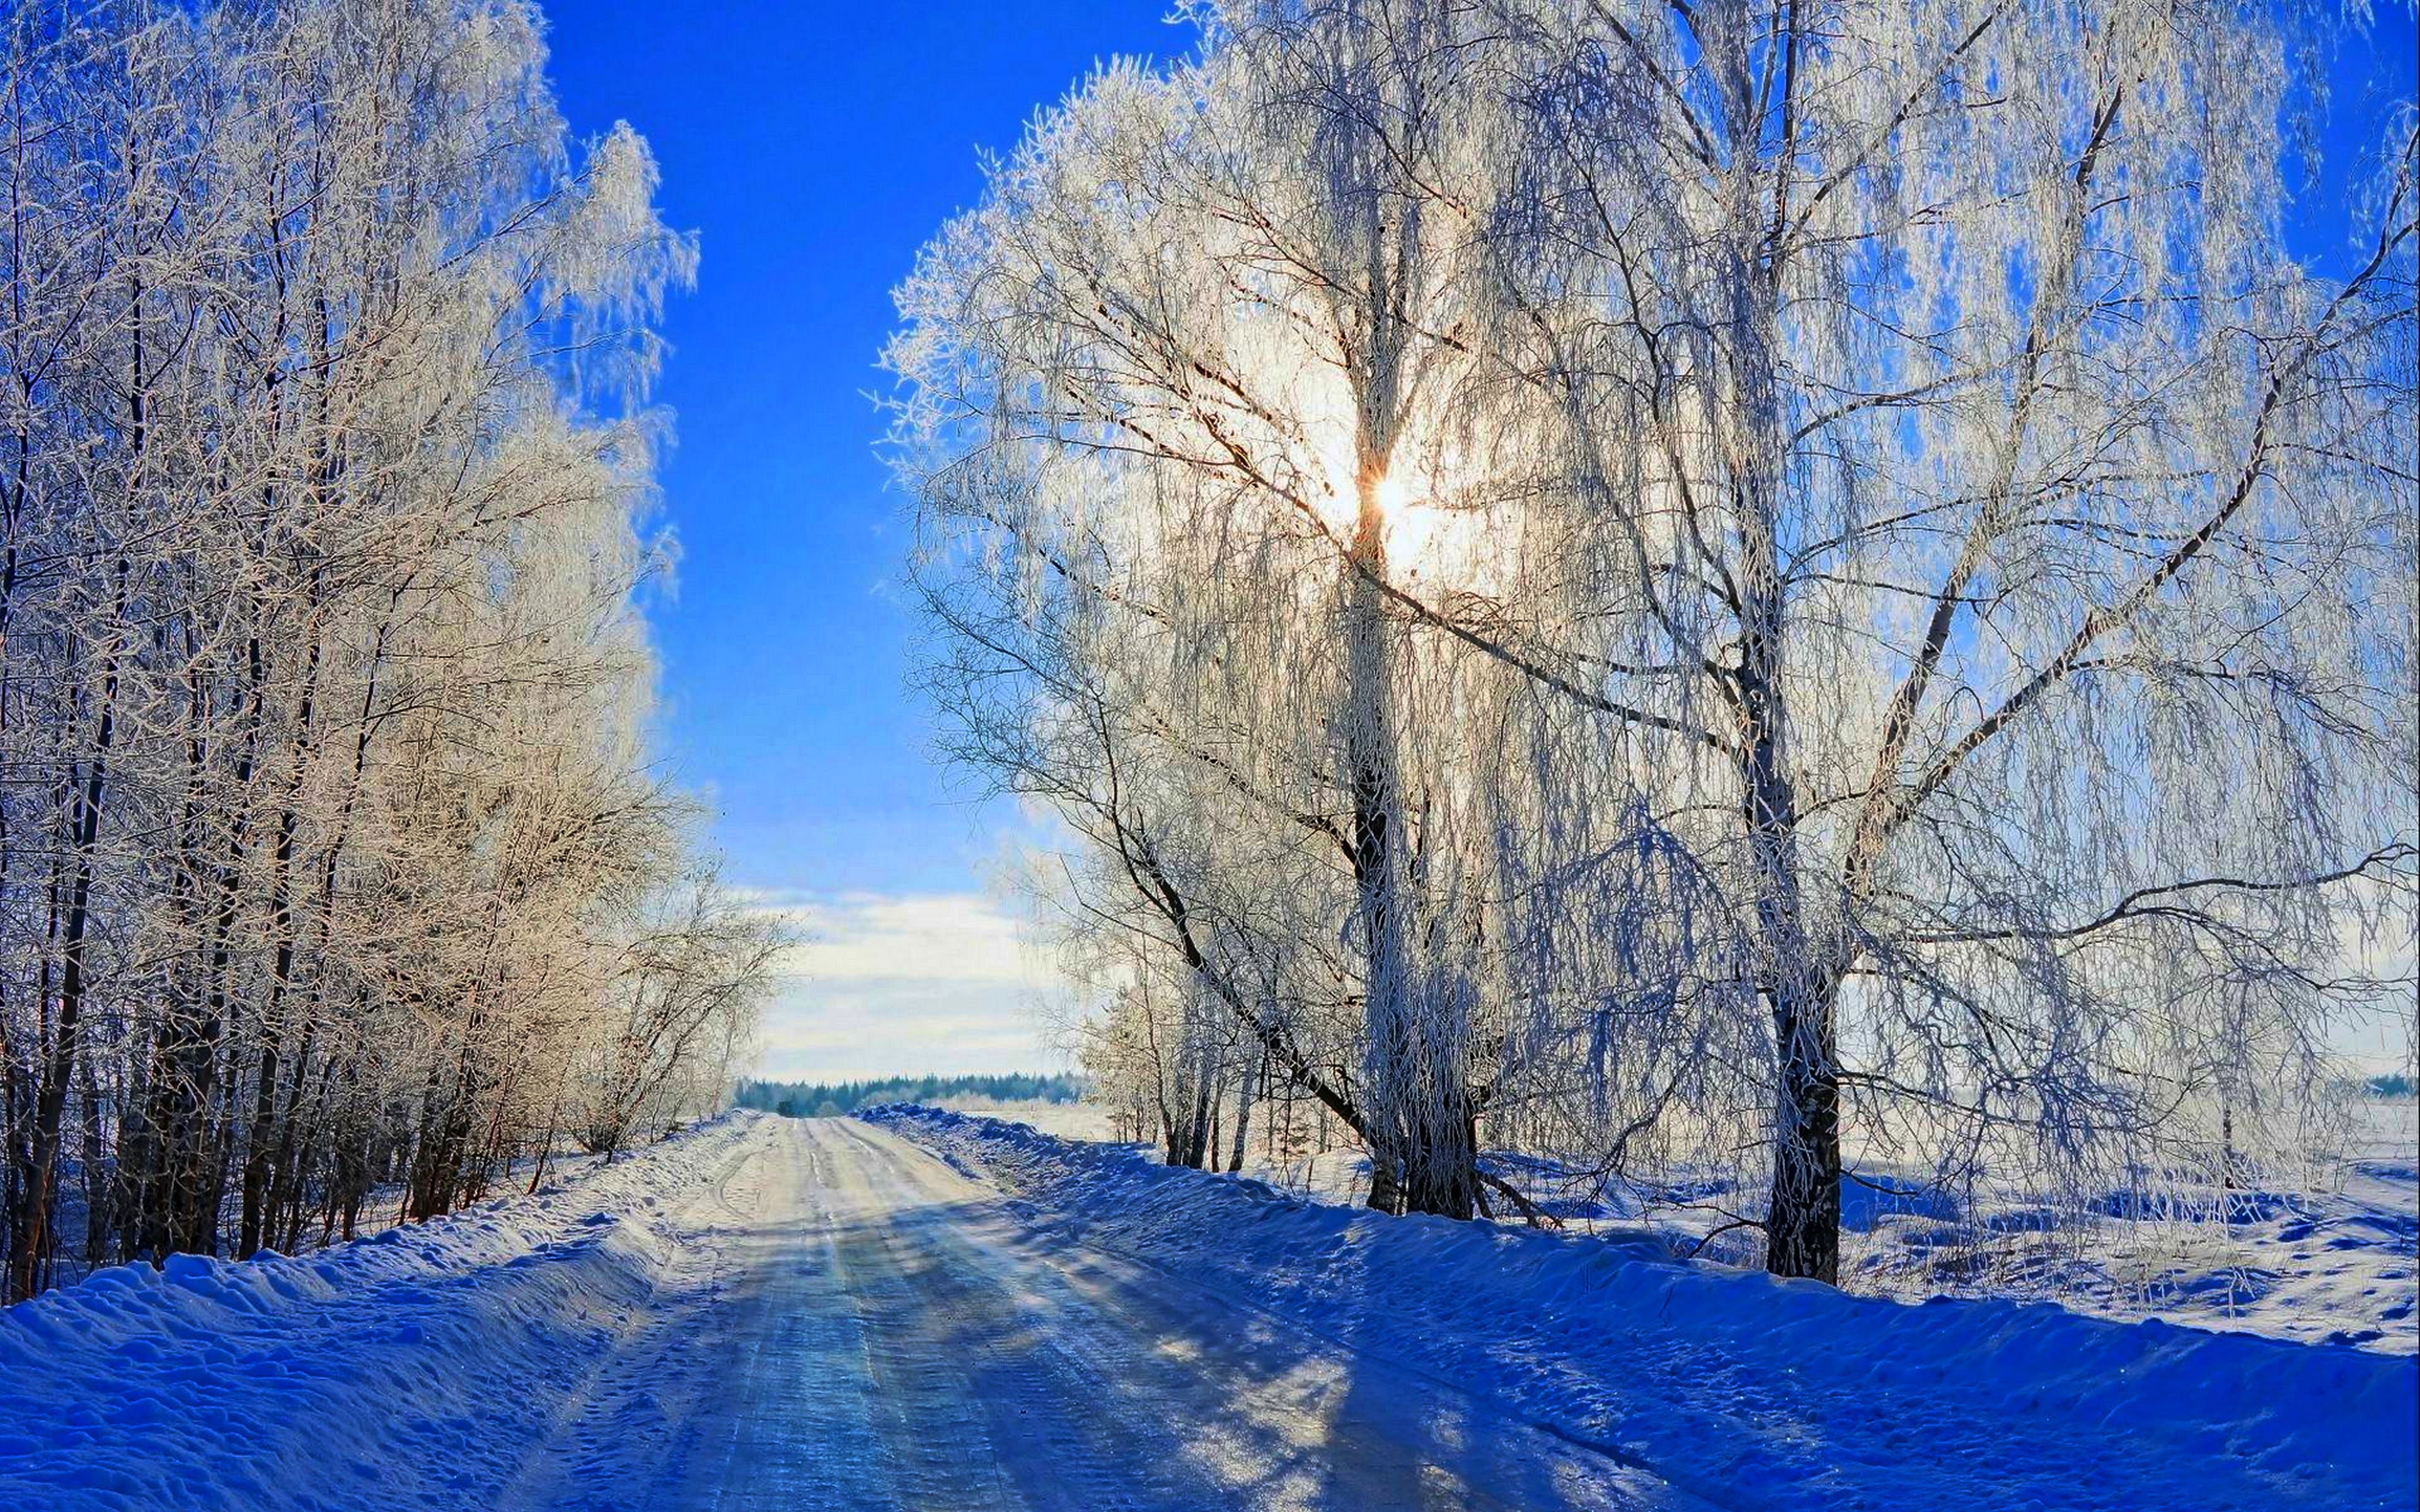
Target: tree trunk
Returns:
[[261, 1146], [31, 1237], [1803, 1223], [1197, 1122], [1420, 1159], [1803, 1216], [1258, 1071]]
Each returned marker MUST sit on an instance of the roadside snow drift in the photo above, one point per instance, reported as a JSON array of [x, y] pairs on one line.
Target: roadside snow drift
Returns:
[[1745, 1390], [415, 1367]]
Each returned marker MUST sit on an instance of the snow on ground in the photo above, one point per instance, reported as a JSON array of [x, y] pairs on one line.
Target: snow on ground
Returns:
[[2331, 1262], [926, 1310], [1735, 1387], [383, 1208], [1067, 1120], [2322, 1267], [767, 1314], [412, 1368], [2330, 1258], [2336, 1262]]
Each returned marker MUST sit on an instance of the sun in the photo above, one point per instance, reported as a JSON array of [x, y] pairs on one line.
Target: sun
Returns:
[[1425, 539]]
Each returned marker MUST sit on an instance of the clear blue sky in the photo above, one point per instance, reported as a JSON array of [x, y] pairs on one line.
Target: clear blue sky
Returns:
[[815, 148]]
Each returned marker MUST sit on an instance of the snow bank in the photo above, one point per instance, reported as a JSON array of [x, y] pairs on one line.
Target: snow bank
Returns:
[[1737, 1386], [414, 1367]]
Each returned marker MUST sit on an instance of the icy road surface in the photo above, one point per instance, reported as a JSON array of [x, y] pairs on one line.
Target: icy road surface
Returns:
[[864, 1327]]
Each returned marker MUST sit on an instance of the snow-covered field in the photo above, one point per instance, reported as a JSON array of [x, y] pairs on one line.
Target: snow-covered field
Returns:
[[2332, 1262], [927, 1310], [1067, 1120]]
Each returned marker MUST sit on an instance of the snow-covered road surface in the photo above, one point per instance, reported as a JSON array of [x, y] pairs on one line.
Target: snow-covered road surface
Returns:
[[854, 1324], [930, 1312]]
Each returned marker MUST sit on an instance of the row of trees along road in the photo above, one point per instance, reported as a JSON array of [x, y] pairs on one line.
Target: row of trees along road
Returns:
[[1696, 583], [328, 853]]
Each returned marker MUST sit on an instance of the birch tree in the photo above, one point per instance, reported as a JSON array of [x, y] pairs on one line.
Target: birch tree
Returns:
[[2023, 537], [1773, 564], [323, 678], [1194, 401]]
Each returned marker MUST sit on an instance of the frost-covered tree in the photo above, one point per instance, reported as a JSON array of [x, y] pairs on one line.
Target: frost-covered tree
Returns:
[[323, 353], [1196, 405], [695, 968], [2024, 539], [1756, 563]]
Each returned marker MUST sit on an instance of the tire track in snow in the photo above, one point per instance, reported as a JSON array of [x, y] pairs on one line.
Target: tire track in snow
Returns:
[[799, 1436], [849, 1323], [1077, 1444], [1268, 1417]]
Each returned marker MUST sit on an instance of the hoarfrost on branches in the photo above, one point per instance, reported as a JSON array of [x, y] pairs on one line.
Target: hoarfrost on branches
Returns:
[[1690, 579]]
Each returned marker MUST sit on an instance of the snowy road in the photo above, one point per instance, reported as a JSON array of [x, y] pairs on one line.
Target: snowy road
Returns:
[[929, 1312], [849, 1323]]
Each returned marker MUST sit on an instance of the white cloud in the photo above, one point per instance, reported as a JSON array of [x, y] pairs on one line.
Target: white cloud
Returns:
[[905, 984]]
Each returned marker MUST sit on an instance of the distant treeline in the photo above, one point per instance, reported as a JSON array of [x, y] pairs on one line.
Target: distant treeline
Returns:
[[824, 1100]]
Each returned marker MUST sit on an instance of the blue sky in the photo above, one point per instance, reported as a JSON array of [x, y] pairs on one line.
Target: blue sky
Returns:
[[815, 148]]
